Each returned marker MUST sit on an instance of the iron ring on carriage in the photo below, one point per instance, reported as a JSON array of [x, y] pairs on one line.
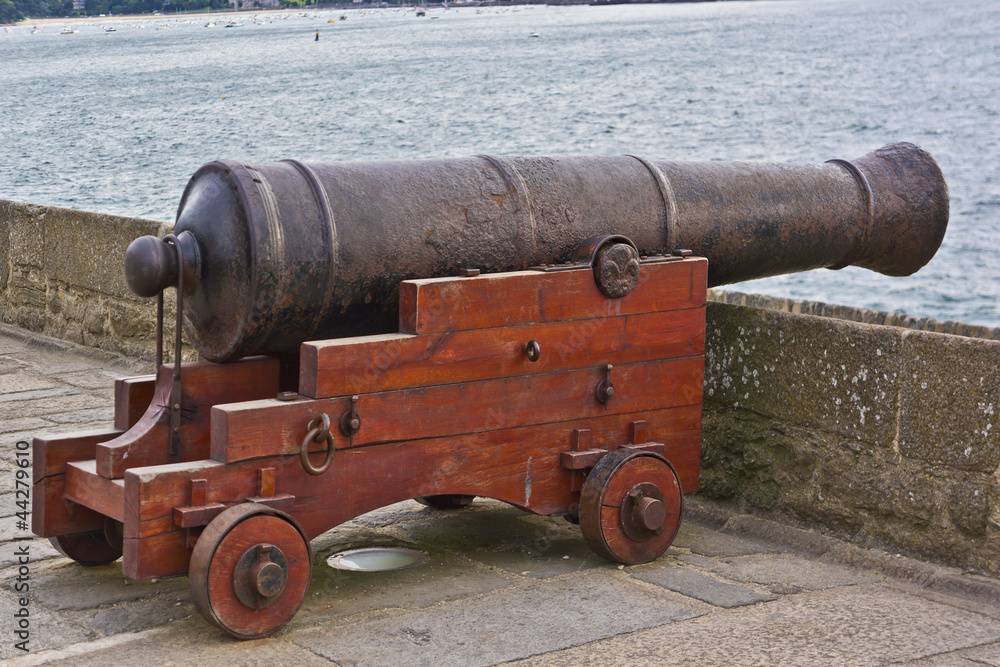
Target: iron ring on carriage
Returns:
[[319, 430]]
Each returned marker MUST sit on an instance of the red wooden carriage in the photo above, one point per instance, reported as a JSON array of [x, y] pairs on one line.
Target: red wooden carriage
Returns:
[[531, 387]]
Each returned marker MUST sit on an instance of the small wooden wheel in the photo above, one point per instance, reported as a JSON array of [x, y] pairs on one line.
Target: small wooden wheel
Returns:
[[97, 547], [250, 570], [630, 506], [452, 501]]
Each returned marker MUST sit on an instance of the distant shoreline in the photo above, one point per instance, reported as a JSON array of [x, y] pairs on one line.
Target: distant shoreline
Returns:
[[290, 10], [159, 17]]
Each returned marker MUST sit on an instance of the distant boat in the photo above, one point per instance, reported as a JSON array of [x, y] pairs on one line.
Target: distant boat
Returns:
[[231, 24], [69, 31], [36, 31], [421, 12], [210, 24], [110, 30]]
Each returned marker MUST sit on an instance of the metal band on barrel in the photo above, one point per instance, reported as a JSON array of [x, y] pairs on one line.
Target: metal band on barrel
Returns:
[[669, 203], [868, 196], [509, 174], [331, 246]]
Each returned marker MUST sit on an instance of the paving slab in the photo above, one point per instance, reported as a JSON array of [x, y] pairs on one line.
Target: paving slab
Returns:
[[25, 395], [857, 625], [16, 383], [87, 416], [10, 365], [26, 424], [74, 588], [705, 541], [57, 402], [522, 621], [787, 574], [46, 628], [185, 645], [700, 586], [984, 655], [143, 614], [953, 659], [87, 377], [39, 548]]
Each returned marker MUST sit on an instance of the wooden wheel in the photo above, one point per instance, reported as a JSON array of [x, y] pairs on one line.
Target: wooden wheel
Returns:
[[452, 501], [97, 547], [630, 506], [250, 570]]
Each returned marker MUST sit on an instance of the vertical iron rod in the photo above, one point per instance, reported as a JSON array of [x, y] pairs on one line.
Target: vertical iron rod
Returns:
[[176, 391], [159, 330]]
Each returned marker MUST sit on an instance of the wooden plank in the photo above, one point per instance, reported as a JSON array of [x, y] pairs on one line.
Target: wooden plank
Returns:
[[204, 385], [85, 487], [519, 466], [190, 517], [132, 397], [438, 305], [273, 428], [162, 555], [50, 454], [449, 464], [52, 516], [395, 361]]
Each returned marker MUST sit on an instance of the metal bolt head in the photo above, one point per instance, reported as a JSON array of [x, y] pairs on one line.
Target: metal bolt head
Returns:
[[268, 579], [650, 513]]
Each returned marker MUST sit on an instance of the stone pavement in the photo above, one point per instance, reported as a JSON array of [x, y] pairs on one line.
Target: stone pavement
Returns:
[[500, 585]]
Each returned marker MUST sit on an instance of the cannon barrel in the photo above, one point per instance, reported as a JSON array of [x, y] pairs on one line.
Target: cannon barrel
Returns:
[[279, 253]]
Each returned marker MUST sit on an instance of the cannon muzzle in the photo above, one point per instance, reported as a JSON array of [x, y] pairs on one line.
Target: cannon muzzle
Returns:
[[276, 254]]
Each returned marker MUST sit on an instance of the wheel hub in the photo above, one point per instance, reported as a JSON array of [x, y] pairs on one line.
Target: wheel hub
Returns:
[[643, 512], [260, 576]]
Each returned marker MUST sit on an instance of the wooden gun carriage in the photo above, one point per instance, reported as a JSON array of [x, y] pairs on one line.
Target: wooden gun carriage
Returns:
[[570, 388]]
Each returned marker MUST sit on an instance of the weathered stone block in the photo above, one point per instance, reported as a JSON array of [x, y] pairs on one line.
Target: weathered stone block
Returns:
[[949, 401], [88, 249], [969, 503], [131, 320], [749, 458], [27, 235], [836, 376]]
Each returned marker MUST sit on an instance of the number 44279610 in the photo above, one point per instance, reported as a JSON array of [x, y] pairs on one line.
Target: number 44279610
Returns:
[[23, 484]]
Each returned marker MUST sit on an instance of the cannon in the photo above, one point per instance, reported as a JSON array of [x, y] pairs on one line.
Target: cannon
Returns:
[[343, 311]]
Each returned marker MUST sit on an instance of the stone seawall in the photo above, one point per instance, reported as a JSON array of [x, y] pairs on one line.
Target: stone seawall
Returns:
[[882, 434], [876, 427], [61, 275]]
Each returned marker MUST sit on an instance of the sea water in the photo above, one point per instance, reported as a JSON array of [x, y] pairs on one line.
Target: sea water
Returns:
[[117, 122]]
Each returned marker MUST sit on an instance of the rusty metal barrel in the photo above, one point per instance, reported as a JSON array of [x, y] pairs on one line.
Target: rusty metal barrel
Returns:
[[279, 253]]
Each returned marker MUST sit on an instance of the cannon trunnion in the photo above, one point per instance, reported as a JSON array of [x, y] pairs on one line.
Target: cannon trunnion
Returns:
[[563, 375]]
